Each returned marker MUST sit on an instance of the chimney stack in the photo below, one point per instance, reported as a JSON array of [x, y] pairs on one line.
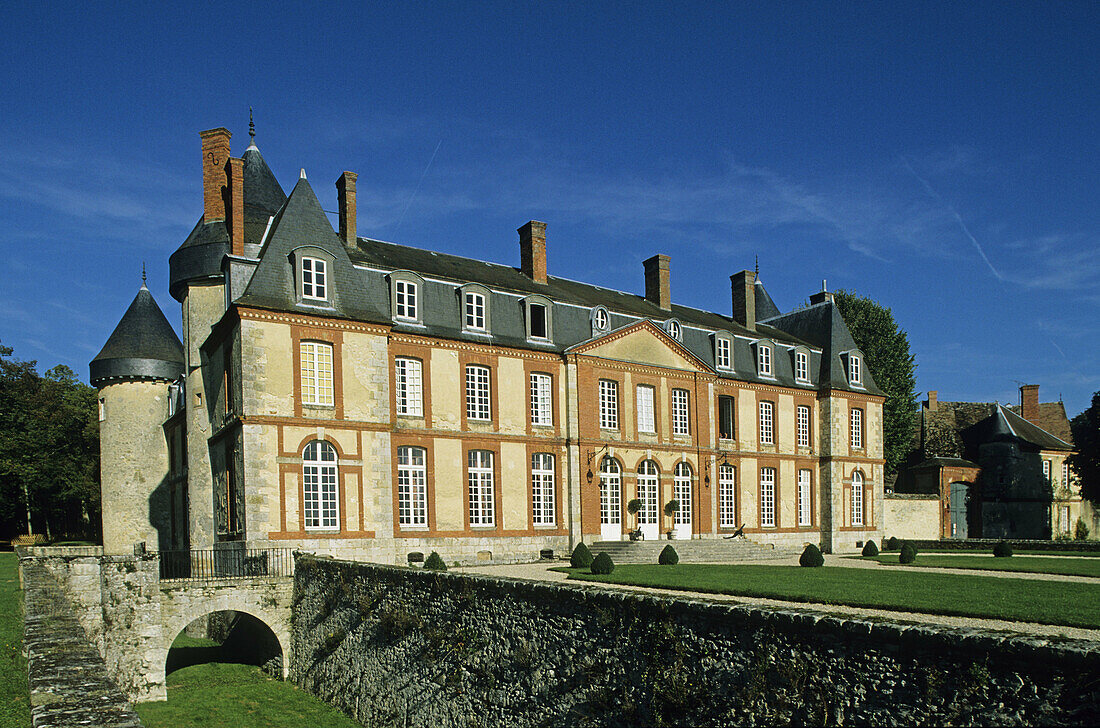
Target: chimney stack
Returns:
[[822, 296], [345, 194], [933, 401], [744, 298], [234, 172], [657, 288], [1029, 402], [532, 250], [215, 151]]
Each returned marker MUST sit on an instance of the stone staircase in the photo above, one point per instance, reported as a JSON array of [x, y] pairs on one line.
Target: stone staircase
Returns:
[[695, 551]]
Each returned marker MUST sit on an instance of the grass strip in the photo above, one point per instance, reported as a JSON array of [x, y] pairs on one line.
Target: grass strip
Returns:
[[1066, 566], [219, 695], [1070, 604], [15, 700], [1015, 552]]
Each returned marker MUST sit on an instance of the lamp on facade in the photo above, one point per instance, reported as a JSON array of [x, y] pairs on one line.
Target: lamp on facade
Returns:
[[592, 456]]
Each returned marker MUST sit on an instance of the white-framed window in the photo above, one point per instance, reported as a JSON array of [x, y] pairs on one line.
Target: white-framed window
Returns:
[[723, 353], [314, 279], [802, 417], [764, 360], [539, 315], [405, 300], [1065, 474], [408, 387], [601, 320], [609, 404], [473, 313], [680, 419], [648, 488], [681, 491], [316, 363], [542, 489], [541, 399], [805, 517], [1063, 519], [1046, 470], [647, 422], [767, 423], [855, 370], [857, 498], [727, 490], [767, 497], [857, 427], [479, 473], [477, 393], [412, 487], [319, 484], [801, 366], [611, 491], [673, 329]]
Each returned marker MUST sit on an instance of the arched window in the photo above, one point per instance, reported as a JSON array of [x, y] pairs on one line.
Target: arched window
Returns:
[[412, 488], [647, 492], [681, 491], [610, 491], [857, 498], [319, 479]]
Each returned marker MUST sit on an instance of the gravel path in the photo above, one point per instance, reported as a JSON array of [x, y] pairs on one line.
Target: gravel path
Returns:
[[541, 572]]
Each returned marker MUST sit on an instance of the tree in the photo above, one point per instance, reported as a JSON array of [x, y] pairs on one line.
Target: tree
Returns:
[[885, 348], [1086, 461]]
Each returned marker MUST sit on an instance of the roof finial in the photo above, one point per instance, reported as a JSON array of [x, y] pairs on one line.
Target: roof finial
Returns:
[[143, 275], [824, 288], [756, 270], [251, 130]]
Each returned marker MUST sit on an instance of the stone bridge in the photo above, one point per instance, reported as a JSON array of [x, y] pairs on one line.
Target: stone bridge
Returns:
[[133, 607]]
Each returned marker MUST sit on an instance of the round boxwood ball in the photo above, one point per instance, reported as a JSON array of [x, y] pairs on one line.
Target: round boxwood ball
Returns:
[[602, 564], [435, 562], [811, 556], [908, 553], [892, 544], [581, 558], [1002, 549], [870, 549], [668, 556]]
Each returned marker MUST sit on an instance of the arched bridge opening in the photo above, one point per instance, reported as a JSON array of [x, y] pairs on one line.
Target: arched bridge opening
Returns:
[[226, 637]]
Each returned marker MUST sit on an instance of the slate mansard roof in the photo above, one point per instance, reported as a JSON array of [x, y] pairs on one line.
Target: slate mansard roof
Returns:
[[142, 346]]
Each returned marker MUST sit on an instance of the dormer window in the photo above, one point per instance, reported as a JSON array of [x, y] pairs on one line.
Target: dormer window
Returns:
[[601, 320], [314, 279], [801, 367], [764, 359], [475, 309], [405, 297], [723, 351], [673, 329], [539, 315], [406, 300], [855, 370], [312, 269]]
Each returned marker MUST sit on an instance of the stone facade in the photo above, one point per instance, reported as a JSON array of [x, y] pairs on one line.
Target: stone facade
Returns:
[[911, 516]]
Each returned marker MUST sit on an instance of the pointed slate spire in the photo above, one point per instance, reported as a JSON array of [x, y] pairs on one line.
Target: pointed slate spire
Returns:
[[142, 346]]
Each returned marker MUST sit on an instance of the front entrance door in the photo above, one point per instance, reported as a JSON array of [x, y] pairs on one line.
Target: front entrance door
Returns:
[[681, 491], [957, 509], [611, 509], [647, 494]]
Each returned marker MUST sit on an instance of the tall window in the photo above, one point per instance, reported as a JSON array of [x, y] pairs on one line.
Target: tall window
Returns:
[[474, 315], [609, 404], [681, 490], [803, 423], [406, 300], [542, 489], [857, 498], [480, 479], [727, 506], [804, 516], [722, 353], [726, 417], [767, 424], [646, 420], [319, 485], [610, 491], [477, 393], [1065, 474], [314, 279], [1046, 470], [857, 427], [855, 369], [680, 412], [764, 360], [538, 321], [541, 413], [412, 489], [648, 487], [767, 497], [802, 366], [408, 387], [316, 373]]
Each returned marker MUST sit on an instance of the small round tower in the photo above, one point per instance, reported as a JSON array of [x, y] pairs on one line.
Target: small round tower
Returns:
[[135, 373]]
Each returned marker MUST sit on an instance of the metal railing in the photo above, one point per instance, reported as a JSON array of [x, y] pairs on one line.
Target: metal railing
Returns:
[[225, 564]]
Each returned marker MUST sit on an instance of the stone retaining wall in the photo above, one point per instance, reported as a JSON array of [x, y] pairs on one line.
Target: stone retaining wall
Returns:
[[987, 544], [393, 646]]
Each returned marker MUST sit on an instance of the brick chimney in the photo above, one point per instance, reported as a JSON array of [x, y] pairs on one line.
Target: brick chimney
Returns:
[[744, 298], [822, 296], [657, 288], [532, 250], [932, 402], [1029, 402], [234, 172], [345, 194], [215, 151]]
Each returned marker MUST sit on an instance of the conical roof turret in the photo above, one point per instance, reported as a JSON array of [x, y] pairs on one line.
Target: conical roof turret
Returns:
[[142, 346]]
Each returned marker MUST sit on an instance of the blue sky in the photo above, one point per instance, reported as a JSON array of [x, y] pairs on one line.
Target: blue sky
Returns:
[[942, 159]]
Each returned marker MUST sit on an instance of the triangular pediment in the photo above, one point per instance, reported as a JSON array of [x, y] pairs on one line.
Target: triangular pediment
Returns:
[[641, 343]]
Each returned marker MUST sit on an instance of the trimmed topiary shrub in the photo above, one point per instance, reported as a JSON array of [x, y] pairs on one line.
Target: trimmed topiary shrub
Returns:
[[1081, 530], [435, 562], [602, 564], [892, 544], [908, 553], [870, 549], [811, 556], [581, 558], [1002, 549], [668, 556]]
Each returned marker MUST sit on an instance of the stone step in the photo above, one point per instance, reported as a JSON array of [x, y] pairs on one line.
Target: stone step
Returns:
[[694, 551]]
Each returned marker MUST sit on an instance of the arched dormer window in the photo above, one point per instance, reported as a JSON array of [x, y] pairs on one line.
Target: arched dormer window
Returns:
[[801, 362], [601, 320], [853, 363], [473, 300], [765, 358], [674, 329], [406, 297], [312, 271], [723, 351], [320, 504], [539, 317]]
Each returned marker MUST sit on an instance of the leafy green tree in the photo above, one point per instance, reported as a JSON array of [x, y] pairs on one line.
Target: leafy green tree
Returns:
[[1086, 461], [885, 348]]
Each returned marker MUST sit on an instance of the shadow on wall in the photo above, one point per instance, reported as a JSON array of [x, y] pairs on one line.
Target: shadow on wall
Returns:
[[230, 637]]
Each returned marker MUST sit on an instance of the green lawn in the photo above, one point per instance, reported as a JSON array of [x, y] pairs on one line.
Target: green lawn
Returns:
[[218, 695], [1015, 552], [1067, 565], [15, 707], [1023, 600]]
